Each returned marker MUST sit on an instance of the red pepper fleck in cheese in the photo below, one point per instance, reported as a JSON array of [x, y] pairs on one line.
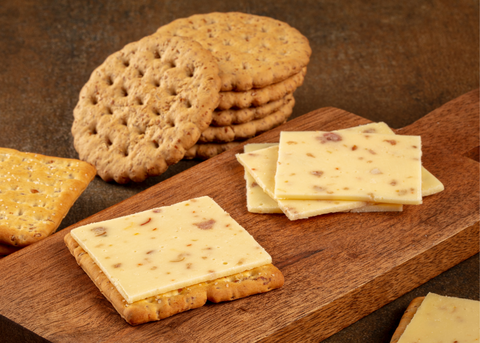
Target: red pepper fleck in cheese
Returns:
[[376, 170], [168, 248]]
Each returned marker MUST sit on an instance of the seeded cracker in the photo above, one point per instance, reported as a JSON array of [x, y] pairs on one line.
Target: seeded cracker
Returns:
[[247, 130], [36, 192], [252, 51], [261, 96], [145, 106], [207, 150], [244, 115]]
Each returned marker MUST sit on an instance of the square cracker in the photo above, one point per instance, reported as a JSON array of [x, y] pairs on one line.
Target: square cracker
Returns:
[[36, 192], [254, 281]]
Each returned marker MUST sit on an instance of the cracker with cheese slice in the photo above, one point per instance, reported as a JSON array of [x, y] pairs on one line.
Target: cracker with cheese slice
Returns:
[[156, 263], [437, 318]]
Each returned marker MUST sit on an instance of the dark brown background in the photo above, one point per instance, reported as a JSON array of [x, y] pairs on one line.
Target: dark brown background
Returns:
[[391, 61]]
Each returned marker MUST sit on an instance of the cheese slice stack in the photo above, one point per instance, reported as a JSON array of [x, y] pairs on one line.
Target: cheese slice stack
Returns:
[[261, 166], [168, 248]]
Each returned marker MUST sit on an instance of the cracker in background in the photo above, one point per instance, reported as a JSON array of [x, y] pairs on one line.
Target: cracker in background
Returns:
[[145, 106], [252, 51], [244, 115], [36, 192], [261, 96], [230, 133], [207, 150]]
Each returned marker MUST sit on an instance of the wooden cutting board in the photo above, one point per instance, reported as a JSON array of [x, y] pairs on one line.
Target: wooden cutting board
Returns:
[[338, 267]]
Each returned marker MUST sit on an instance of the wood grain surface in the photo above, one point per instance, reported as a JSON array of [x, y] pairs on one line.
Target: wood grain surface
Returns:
[[338, 268]]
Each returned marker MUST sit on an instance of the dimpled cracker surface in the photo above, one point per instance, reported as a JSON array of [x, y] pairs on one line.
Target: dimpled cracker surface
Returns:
[[145, 106], [252, 51], [36, 192]]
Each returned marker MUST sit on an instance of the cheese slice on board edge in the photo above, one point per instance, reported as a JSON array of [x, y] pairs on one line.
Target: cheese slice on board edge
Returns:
[[444, 319], [257, 200], [167, 248], [349, 166]]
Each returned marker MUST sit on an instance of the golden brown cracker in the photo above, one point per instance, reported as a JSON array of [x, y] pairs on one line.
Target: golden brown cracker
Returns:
[[261, 96], [36, 192], [406, 318], [208, 150], [257, 280], [252, 51], [250, 129], [244, 115], [145, 106]]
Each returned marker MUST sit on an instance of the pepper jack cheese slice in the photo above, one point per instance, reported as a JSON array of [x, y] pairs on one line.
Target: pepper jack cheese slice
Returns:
[[430, 184], [441, 319], [349, 166], [171, 247], [262, 165], [257, 200]]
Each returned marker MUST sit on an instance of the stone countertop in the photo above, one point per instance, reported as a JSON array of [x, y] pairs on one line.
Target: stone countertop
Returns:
[[391, 61]]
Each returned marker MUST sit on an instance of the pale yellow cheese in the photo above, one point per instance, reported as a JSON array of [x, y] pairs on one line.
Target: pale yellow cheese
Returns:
[[349, 166], [441, 319], [261, 165], [257, 200], [430, 184], [168, 248]]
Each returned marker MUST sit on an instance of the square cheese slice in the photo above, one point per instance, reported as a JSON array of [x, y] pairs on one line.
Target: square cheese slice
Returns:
[[262, 164], [168, 248], [349, 166], [430, 184], [441, 319], [257, 200]]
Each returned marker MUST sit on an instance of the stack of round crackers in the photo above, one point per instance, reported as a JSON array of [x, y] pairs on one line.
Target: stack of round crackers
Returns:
[[193, 89]]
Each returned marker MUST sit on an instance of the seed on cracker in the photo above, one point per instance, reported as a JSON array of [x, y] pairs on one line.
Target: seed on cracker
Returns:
[[252, 51], [145, 106], [36, 192]]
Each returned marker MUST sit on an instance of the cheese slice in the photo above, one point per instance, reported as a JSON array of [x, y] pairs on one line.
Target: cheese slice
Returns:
[[168, 248], [262, 164], [257, 200], [430, 184], [441, 319], [349, 166]]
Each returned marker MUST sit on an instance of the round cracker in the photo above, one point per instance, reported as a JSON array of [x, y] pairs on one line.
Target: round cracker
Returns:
[[261, 96], [252, 51], [207, 150], [224, 134], [145, 106], [245, 115]]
